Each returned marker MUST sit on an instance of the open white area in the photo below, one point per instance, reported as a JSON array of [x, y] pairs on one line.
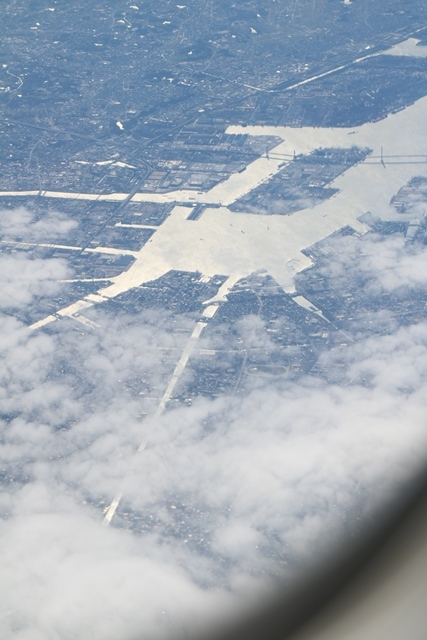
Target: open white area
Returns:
[[49, 245], [237, 244], [19, 244], [113, 197], [239, 184], [306, 304], [366, 186], [101, 163], [223, 242], [112, 250], [408, 48], [136, 226]]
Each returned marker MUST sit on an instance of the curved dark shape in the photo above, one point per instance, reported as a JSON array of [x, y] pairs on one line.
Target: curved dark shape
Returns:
[[326, 604]]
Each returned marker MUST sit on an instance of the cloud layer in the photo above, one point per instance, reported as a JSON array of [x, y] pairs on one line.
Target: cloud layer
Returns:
[[228, 496]]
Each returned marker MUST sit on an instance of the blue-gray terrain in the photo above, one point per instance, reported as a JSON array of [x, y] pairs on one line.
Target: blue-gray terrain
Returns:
[[213, 299]]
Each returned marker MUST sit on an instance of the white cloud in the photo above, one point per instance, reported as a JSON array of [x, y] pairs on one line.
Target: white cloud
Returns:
[[229, 494], [384, 263], [22, 224], [24, 278]]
